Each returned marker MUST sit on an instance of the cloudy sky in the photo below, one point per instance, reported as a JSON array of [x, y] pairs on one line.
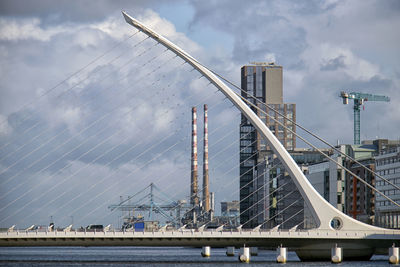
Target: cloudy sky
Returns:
[[91, 110]]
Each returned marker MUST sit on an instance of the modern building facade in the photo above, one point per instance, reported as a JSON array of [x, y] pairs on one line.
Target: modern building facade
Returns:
[[361, 200], [388, 166], [342, 190], [286, 207], [329, 179], [262, 86], [351, 196]]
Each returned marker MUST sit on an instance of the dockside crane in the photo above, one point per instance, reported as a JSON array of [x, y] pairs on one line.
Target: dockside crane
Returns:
[[159, 203], [359, 100]]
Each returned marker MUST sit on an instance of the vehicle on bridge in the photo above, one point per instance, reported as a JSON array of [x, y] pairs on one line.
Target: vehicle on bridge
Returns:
[[94, 227]]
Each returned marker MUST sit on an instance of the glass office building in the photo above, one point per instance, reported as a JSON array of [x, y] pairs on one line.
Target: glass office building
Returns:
[[262, 86]]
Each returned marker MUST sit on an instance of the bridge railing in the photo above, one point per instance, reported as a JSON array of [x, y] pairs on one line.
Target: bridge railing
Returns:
[[312, 233]]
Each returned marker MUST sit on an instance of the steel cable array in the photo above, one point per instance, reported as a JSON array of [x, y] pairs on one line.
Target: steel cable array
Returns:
[[161, 141], [66, 153], [71, 76]]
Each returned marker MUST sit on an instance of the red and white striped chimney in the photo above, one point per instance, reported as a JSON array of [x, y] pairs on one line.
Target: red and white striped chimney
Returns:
[[206, 194], [194, 199]]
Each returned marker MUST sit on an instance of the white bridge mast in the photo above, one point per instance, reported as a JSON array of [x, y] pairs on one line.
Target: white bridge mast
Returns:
[[322, 211]]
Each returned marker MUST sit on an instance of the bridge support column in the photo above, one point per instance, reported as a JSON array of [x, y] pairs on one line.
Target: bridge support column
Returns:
[[282, 254], [206, 251], [244, 254], [336, 254], [394, 256], [253, 251], [230, 251]]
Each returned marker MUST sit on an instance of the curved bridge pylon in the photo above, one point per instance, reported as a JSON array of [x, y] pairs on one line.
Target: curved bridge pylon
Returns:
[[322, 211]]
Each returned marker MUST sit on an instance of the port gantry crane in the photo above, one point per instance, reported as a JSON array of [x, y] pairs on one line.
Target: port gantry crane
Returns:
[[152, 205], [359, 99]]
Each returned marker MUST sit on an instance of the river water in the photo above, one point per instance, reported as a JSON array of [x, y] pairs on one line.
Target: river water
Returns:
[[144, 256]]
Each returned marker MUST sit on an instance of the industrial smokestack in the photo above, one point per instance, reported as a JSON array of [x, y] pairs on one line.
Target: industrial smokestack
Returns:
[[194, 200], [206, 195]]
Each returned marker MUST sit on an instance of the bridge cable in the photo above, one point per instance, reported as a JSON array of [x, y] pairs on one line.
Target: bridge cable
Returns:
[[106, 153], [27, 154], [67, 78], [131, 172], [301, 127], [118, 145], [126, 113], [298, 125], [64, 129], [331, 159], [65, 142], [92, 97], [167, 111], [314, 147], [213, 156]]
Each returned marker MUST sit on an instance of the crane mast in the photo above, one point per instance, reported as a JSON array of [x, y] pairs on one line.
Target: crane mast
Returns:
[[359, 99]]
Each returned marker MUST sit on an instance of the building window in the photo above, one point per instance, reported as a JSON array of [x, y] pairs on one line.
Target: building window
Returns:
[[248, 163], [247, 150], [247, 128], [245, 142], [259, 84]]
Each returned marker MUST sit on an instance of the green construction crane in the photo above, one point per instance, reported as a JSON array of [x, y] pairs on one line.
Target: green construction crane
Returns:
[[359, 99]]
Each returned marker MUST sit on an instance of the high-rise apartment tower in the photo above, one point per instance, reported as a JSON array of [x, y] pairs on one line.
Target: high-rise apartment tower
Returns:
[[262, 85]]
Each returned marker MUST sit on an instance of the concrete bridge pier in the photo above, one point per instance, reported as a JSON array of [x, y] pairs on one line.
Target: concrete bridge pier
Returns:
[[350, 251], [206, 251], [244, 254], [336, 254], [394, 256], [230, 251], [282, 254]]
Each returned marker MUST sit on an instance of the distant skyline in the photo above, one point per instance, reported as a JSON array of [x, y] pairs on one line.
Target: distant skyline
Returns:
[[324, 47]]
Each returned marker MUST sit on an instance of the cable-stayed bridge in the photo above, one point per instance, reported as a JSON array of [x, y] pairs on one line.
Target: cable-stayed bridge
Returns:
[[80, 144]]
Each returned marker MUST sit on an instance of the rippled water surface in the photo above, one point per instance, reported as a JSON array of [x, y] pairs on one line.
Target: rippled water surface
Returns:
[[143, 256]]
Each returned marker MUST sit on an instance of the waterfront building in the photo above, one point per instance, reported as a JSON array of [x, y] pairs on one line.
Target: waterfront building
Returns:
[[360, 200], [339, 188], [344, 191], [388, 166], [285, 207], [329, 179]]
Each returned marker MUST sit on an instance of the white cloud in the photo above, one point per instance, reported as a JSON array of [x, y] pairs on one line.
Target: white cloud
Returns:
[[5, 127], [292, 82], [71, 116], [270, 57], [358, 68], [167, 29], [14, 30], [114, 27], [82, 34], [323, 47]]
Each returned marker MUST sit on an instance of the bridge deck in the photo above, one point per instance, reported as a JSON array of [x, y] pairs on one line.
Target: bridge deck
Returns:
[[293, 239]]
